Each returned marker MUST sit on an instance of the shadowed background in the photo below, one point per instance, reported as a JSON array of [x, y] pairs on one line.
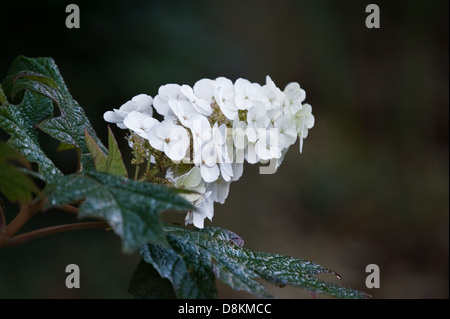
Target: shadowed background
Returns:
[[371, 185]]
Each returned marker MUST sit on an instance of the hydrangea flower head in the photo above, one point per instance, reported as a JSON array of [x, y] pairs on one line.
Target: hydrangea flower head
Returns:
[[210, 129]]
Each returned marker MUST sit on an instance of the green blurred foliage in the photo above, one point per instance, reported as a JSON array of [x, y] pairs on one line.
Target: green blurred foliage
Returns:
[[372, 183]]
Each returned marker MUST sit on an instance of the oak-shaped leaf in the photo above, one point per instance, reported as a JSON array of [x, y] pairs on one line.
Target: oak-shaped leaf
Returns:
[[130, 207], [41, 75], [195, 257], [20, 122]]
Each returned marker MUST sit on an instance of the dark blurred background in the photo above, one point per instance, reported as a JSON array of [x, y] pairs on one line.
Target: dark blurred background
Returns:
[[371, 186]]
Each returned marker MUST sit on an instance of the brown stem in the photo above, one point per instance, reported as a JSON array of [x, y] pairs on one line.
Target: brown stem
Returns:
[[21, 218], [27, 210], [69, 209], [22, 238]]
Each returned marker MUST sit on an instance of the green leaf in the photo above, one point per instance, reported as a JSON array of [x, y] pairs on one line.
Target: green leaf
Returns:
[[37, 77], [3, 98], [21, 82], [41, 75], [14, 184], [20, 121], [131, 208], [146, 283], [65, 147], [186, 265], [195, 254], [111, 163], [41, 68]]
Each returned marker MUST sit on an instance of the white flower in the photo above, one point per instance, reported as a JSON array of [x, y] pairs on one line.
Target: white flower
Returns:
[[294, 97], [304, 120], [225, 96], [202, 106], [256, 118], [219, 190], [170, 138], [287, 130], [268, 146], [140, 123], [183, 110], [141, 103], [167, 93], [208, 165], [205, 89], [246, 94], [271, 116], [271, 95]]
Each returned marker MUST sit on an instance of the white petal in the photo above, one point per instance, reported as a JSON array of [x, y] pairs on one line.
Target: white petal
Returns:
[[148, 122], [220, 133], [293, 86], [224, 82], [203, 107], [200, 128], [161, 106], [198, 219], [165, 129], [295, 108], [112, 117], [226, 170], [250, 154], [129, 107], [204, 89], [193, 178], [140, 123], [209, 173], [178, 143], [183, 110], [165, 93], [238, 169], [309, 121], [240, 85], [187, 91], [155, 141], [220, 190], [252, 135], [269, 81], [204, 210], [307, 108], [132, 122], [225, 98], [170, 90], [208, 153], [144, 103]]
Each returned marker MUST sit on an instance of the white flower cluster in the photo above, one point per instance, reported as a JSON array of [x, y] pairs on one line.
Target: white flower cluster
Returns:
[[214, 126]]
